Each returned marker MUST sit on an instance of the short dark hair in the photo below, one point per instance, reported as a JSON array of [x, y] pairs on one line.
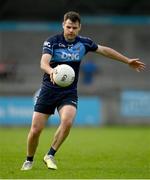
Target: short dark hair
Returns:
[[73, 16]]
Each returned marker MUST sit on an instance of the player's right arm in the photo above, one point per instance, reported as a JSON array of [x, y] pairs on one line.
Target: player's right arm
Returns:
[[45, 66]]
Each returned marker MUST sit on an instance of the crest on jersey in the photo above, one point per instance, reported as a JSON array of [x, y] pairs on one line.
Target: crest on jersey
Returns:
[[61, 45], [48, 44]]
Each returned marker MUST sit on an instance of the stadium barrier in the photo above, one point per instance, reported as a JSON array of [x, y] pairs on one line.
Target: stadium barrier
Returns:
[[126, 107], [135, 104], [18, 111]]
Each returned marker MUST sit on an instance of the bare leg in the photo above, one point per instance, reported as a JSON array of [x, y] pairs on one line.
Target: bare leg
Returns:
[[67, 114], [38, 123]]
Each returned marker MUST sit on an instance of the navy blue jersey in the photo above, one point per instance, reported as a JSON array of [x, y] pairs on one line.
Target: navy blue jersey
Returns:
[[64, 52]]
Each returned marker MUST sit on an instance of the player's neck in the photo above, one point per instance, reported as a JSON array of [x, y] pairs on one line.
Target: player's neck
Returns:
[[69, 40]]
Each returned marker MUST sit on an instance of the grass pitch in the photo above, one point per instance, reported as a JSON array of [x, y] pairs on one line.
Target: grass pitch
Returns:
[[88, 153]]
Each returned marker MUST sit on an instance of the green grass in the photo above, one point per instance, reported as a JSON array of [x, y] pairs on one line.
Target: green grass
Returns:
[[90, 153]]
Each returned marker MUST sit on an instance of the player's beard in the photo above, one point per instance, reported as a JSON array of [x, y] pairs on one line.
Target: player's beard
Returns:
[[71, 37]]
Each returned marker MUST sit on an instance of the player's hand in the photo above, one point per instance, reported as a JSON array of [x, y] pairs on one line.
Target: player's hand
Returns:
[[136, 64], [51, 75]]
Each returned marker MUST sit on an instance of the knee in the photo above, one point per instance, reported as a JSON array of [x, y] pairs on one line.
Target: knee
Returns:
[[35, 130], [66, 125]]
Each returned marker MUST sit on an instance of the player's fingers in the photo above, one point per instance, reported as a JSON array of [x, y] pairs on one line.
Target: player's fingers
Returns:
[[141, 63], [137, 69], [138, 65], [51, 77], [137, 61], [142, 67]]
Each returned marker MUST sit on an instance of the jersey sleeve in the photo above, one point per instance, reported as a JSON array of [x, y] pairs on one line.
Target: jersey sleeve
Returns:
[[48, 46], [90, 45]]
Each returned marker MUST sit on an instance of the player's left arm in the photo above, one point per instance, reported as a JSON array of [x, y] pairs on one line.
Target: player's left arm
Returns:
[[113, 54]]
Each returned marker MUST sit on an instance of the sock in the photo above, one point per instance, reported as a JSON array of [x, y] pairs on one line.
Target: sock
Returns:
[[29, 158], [52, 152]]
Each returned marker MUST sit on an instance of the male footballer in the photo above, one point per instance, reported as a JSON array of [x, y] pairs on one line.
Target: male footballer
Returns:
[[65, 48]]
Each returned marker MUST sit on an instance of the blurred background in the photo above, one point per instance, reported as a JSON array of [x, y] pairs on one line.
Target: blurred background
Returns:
[[110, 92]]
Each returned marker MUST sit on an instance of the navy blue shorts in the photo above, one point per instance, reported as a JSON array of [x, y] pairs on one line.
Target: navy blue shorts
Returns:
[[50, 99]]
